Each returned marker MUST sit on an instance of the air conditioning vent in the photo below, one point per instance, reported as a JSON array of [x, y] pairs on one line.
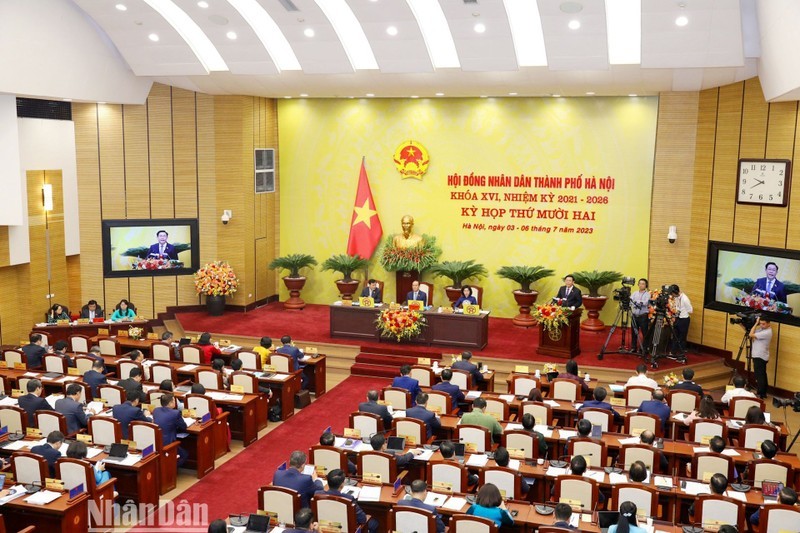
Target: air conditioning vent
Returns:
[[289, 5], [48, 109]]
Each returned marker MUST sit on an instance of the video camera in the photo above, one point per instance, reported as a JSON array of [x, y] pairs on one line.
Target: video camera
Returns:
[[794, 403], [623, 294], [661, 302], [747, 319]]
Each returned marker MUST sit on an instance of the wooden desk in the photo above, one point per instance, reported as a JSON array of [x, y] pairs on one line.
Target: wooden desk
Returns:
[[316, 371], [62, 333], [62, 514], [200, 446], [143, 345]]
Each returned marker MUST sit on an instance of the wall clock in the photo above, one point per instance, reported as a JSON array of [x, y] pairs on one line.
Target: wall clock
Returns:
[[764, 182]]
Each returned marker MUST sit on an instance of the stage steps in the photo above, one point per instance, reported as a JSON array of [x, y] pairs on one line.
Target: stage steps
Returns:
[[386, 364]]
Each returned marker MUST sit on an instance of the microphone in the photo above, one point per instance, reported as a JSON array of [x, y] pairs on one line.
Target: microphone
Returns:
[[384, 432], [560, 463], [613, 469], [435, 444], [694, 528]]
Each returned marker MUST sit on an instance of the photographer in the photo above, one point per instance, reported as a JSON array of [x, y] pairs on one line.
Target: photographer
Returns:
[[640, 311], [761, 336], [683, 308]]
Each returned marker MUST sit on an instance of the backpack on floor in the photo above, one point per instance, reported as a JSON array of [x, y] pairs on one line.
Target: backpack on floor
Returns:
[[275, 412]]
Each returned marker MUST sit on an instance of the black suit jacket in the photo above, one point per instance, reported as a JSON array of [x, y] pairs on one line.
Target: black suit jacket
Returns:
[[98, 312], [778, 289], [374, 294], [48, 452], [377, 409], [94, 379], [32, 403], [34, 354], [689, 385], [130, 384], [574, 299], [169, 251]]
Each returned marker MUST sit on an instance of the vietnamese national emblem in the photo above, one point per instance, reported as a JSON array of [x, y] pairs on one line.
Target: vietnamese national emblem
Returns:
[[411, 159]]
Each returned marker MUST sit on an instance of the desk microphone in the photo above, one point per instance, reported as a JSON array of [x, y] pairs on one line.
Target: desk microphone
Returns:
[[384, 432], [560, 463]]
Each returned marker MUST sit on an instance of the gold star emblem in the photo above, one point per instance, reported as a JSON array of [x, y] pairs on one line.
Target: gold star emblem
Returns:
[[364, 214]]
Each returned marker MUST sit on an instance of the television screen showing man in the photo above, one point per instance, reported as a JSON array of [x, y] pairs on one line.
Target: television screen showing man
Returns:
[[769, 286], [163, 248]]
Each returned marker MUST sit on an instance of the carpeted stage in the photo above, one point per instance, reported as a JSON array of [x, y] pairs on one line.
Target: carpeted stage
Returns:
[[506, 341]]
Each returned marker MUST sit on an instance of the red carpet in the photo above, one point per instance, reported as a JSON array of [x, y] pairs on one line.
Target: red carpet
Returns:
[[312, 324], [233, 488]]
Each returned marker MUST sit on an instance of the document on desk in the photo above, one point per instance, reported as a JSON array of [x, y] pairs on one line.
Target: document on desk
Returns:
[[43, 497], [552, 403], [67, 378], [131, 460], [351, 490], [435, 499], [663, 481], [53, 398], [455, 503], [511, 426], [695, 489], [424, 456], [578, 406], [679, 416], [398, 414], [187, 368], [17, 491], [189, 421], [471, 395], [552, 471], [513, 464], [280, 377], [629, 440], [567, 434], [478, 459], [615, 479], [736, 495], [617, 388], [31, 375], [597, 475], [507, 397], [309, 469], [730, 452], [700, 449], [18, 445], [369, 493], [544, 430], [8, 400], [363, 447]]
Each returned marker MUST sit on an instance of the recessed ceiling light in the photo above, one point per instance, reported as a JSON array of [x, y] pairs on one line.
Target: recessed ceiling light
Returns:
[[556, 96], [571, 7], [370, 95], [574, 24], [439, 94], [512, 94], [392, 30], [483, 96], [303, 95], [203, 5], [589, 93], [67, 99], [231, 35], [480, 27], [414, 96], [681, 21], [288, 97], [633, 94], [153, 37], [121, 7], [309, 32]]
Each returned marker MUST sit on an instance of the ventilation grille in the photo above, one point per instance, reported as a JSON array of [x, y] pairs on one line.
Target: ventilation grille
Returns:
[[289, 5], [48, 109]]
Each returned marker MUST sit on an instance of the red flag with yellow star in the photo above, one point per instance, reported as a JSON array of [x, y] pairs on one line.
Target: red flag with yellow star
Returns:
[[365, 225]]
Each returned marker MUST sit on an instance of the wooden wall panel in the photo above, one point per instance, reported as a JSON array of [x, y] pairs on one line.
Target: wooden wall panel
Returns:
[[723, 195], [787, 368], [793, 217], [14, 325], [780, 145], [185, 153], [38, 288], [140, 292], [159, 117], [112, 162], [74, 282], [752, 144], [137, 164], [59, 285], [4, 247], [206, 177]]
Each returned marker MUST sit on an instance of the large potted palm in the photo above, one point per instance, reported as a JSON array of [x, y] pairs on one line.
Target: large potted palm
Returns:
[[346, 265], [594, 280], [294, 281], [457, 272], [525, 296]]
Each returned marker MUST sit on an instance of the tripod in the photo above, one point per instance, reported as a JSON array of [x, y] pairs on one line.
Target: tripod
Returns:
[[622, 319], [745, 346], [657, 329]]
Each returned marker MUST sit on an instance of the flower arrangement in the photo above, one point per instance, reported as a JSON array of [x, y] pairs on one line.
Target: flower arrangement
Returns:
[[670, 380], [552, 317], [135, 333], [761, 303], [401, 324], [216, 279], [672, 310], [152, 263], [419, 258], [549, 367]]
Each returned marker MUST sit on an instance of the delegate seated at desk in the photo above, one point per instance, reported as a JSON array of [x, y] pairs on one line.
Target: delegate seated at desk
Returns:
[[465, 364], [294, 478], [466, 298], [33, 401], [91, 310], [416, 294], [372, 406], [35, 351], [123, 311], [372, 291], [56, 313], [419, 491]]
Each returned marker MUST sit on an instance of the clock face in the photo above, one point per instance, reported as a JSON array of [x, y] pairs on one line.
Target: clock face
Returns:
[[764, 182]]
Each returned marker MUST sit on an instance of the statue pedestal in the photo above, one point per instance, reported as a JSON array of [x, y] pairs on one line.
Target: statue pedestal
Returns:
[[403, 281]]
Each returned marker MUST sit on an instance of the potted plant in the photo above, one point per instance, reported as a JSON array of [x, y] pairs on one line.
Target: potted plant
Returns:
[[456, 272], [216, 280], [294, 281], [594, 280], [346, 265], [524, 296]]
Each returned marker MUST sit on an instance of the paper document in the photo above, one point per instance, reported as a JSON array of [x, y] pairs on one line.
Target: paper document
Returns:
[[695, 488], [353, 491], [736, 495], [18, 445], [597, 475], [477, 459], [662, 481], [43, 497], [131, 460], [615, 479], [730, 452], [541, 428], [471, 395], [552, 471], [363, 447], [629, 440], [369, 493], [511, 426], [52, 399], [308, 469], [700, 449], [513, 464], [399, 414], [280, 377], [679, 416], [95, 407], [8, 400], [552, 403], [578, 406], [437, 500], [187, 368], [507, 397], [617, 388], [455, 503], [567, 434], [424, 456], [31, 375], [189, 421]]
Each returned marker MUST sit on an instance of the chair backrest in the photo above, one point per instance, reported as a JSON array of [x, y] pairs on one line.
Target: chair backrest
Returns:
[[565, 389], [210, 379], [593, 450], [74, 472], [146, 434], [161, 371], [683, 401], [441, 401], [281, 362], [578, 489], [598, 417], [125, 366], [366, 423], [518, 439], [191, 354], [112, 394], [375, 462], [522, 385], [248, 382], [404, 519], [54, 363], [778, 518], [636, 423], [645, 497], [630, 453], [738, 406], [706, 464], [109, 346], [497, 408], [477, 436], [29, 468], [153, 396], [22, 383], [79, 343], [541, 412], [83, 364], [635, 395], [15, 357], [702, 430], [412, 429], [477, 292], [105, 430], [328, 457], [752, 435], [45, 337], [250, 360], [49, 421], [428, 289], [505, 479], [464, 523], [770, 470], [203, 405], [448, 473], [424, 375], [336, 512], [399, 399], [714, 510], [462, 379], [162, 351], [280, 501], [13, 417]]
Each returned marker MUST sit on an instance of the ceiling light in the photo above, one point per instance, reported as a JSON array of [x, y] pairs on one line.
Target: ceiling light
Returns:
[[574, 24], [392, 30], [414, 96], [153, 37], [303, 95], [439, 94], [204, 5], [268, 32], [121, 7], [370, 95], [288, 97], [480, 27], [309, 32], [231, 35], [350, 33], [66, 99], [188, 29], [483, 96], [681, 21], [101, 103], [624, 32], [556, 95], [633, 94], [571, 7], [512, 94], [526, 31], [589, 93], [436, 32]]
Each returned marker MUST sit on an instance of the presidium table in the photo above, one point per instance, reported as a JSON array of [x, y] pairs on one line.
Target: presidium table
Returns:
[[447, 329]]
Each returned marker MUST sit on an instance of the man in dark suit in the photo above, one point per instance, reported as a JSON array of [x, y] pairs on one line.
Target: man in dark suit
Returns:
[[169, 419], [329, 439], [417, 294], [769, 286], [657, 406], [378, 443], [133, 382], [466, 364], [162, 248], [503, 458], [296, 356], [72, 410], [303, 522], [94, 353], [563, 514], [95, 377], [420, 412], [60, 349], [419, 490], [687, 383], [91, 310], [129, 411], [569, 294], [34, 351], [453, 390], [33, 401], [372, 291], [372, 406], [648, 437], [50, 450], [599, 402], [404, 381], [294, 478], [335, 481]]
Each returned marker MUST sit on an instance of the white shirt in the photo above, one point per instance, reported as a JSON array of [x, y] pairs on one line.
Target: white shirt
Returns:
[[641, 380], [683, 306], [736, 393], [761, 343]]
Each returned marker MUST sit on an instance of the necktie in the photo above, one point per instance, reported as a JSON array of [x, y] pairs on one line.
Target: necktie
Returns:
[[769, 286], [415, 295], [568, 289]]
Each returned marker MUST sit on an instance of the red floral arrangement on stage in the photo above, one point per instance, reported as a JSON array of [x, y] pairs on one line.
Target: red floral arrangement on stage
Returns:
[[400, 323], [153, 263], [216, 279], [551, 316]]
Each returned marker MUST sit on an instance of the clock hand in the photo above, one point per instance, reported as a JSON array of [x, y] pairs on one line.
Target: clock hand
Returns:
[[760, 182]]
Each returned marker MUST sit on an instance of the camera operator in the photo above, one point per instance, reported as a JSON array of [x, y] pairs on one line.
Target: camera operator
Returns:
[[640, 311], [761, 336], [683, 308]]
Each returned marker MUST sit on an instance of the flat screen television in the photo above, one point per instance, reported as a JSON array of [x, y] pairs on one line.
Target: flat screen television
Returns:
[[151, 247], [765, 280]]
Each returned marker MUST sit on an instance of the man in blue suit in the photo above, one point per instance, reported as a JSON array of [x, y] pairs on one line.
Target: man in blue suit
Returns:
[[404, 381], [563, 514], [600, 402], [372, 291], [453, 390], [60, 349], [33, 401], [420, 412], [372, 406], [294, 478], [296, 355], [303, 522], [35, 351], [335, 482], [419, 490], [169, 419], [378, 443], [769, 286], [465, 364], [162, 248], [50, 450], [417, 294], [657, 406], [95, 377], [129, 411], [70, 407]]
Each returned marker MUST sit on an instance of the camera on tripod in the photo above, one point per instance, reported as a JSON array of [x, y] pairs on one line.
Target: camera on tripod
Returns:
[[747, 319], [661, 301], [794, 403], [623, 294]]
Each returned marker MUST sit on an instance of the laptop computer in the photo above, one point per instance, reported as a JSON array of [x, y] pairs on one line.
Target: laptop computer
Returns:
[[606, 519], [770, 489], [396, 445], [257, 524], [184, 341], [117, 453], [461, 449]]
